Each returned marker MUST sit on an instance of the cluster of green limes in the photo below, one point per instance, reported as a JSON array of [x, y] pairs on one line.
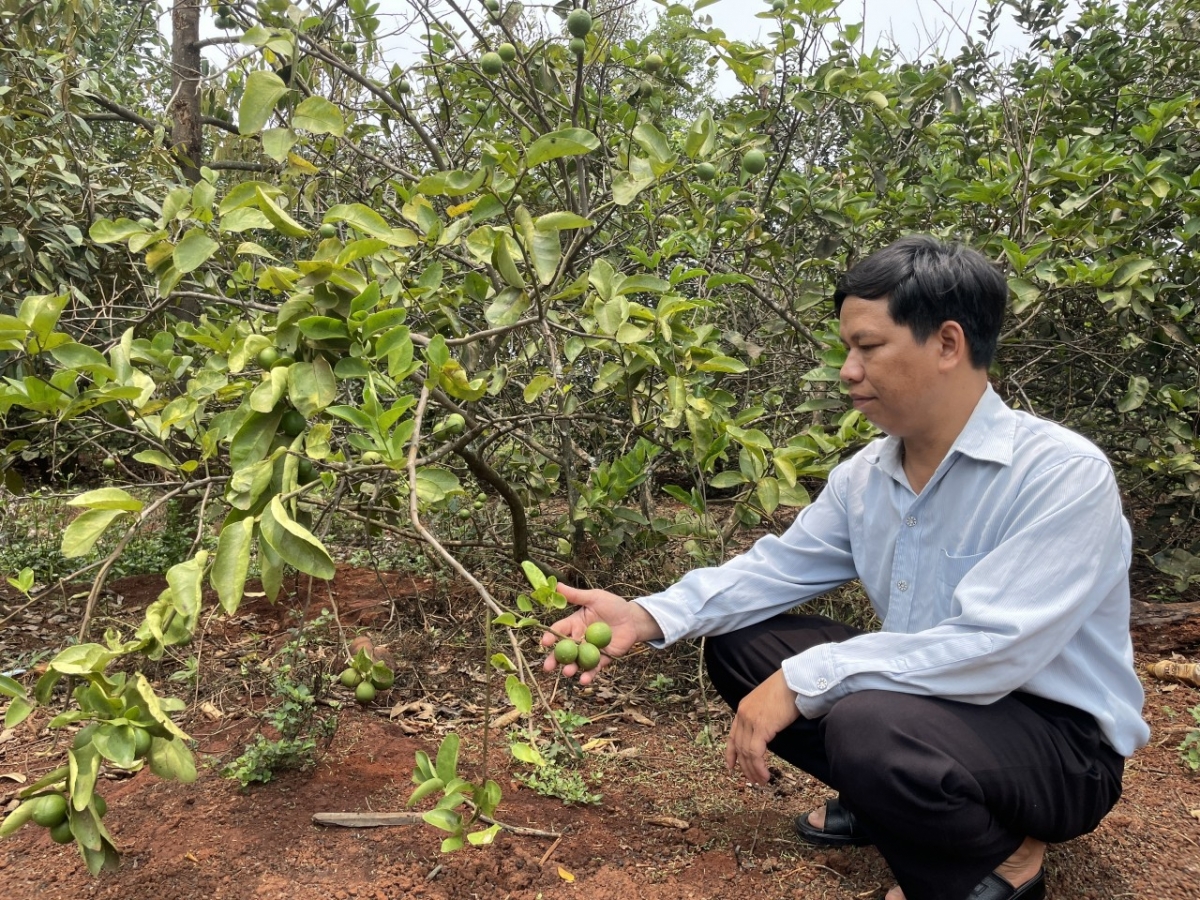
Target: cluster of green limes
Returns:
[[50, 810], [585, 655], [225, 19], [367, 680]]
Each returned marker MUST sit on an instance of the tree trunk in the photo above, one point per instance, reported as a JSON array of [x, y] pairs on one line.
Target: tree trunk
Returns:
[[187, 139]]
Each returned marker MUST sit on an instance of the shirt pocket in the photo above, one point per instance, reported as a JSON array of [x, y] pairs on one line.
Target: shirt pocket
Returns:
[[952, 569]]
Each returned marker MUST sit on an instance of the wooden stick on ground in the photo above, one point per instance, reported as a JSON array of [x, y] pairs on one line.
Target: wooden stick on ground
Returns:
[[384, 819]]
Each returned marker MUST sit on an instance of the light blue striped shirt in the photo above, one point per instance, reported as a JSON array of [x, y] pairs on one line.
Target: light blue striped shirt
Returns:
[[1009, 571]]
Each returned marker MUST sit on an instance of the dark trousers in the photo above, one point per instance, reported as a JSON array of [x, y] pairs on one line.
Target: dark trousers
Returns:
[[946, 790]]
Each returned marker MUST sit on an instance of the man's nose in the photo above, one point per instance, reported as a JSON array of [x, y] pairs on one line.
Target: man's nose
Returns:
[[851, 371]]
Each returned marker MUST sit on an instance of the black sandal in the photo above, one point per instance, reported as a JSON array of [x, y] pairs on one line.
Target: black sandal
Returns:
[[993, 887], [841, 828]]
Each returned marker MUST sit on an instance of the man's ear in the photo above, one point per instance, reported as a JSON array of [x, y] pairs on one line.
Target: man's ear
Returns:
[[953, 349]]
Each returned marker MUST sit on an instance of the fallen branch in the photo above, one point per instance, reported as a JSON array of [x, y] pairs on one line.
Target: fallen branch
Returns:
[[385, 819]]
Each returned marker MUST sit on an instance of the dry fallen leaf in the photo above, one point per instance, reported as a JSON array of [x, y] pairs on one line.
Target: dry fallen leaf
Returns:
[[14, 776], [211, 711], [1195, 813], [565, 875], [668, 822]]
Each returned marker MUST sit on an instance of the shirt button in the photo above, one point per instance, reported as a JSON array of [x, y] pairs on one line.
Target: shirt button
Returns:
[[902, 586], [822, 683], [910, 521]]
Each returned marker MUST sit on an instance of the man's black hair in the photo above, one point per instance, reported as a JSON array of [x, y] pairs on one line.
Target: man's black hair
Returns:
[[927, 282]]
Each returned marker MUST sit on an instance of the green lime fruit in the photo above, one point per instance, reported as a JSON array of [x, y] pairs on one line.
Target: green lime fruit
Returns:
[[364, 693], [405, 87], [349, 49], [109, 463], [589, 657], [141, 742], [371, 458], [284, 360], [101, 806], [306, 472], [706, 171], [50, 810], [328, 230], [224, 10], [652, 63], [350, 678], [267, 357], [507, 52], [779, 5], [225, 22], [492, 5], [579, 23], [578, 46], [566, 651], [598, 634], [754, 161], [383, 682], [61, 833], [292, 423], [491, 63]]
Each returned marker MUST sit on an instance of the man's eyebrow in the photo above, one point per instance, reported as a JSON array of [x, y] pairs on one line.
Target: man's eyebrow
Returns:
[[859, 336]]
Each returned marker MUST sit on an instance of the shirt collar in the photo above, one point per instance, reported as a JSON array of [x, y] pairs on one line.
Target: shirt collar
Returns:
[[988, 436]]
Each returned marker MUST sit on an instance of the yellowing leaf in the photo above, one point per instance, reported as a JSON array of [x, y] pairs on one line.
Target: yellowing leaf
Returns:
[[565, 875]]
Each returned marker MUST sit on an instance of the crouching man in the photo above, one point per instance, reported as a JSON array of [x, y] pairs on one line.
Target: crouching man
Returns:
[[993, 712]]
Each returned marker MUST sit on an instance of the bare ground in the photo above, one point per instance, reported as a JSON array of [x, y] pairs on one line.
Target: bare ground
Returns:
[[672, 824]]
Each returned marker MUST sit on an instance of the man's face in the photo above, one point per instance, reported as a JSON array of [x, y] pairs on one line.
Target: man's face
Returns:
[[891, 378]]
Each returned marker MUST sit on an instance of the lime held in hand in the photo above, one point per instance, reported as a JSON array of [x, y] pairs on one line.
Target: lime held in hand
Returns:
[[565, 651], [589, 657], [598, 634]]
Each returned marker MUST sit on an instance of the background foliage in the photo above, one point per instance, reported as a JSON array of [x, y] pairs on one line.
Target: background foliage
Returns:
[[507, 307]]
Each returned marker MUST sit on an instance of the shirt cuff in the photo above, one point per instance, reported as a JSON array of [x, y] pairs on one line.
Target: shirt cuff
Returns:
[[659, 608], [813, 676]]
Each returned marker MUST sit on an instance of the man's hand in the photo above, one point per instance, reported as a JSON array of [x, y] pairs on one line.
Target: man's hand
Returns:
[[630, 623], [762, 714]]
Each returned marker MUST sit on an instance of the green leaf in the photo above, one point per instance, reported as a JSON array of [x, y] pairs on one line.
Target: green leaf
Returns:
[[104, 231], [1025, 292], [294, 543], [722, 364], [561, 221], [18, 710], [83, 532], [424, 789], [84, 767], [362, 218], [701, 137], [519, 694], [727, 479], [435, 483], [10, 687], [312, 386], [447, 758], [526, 754], [107, 498], [193, 251], [318, 115], [277, 143], [484, 837], [556, 144], [19, 817], [445, 819], [232, 562], [1135, 394], [253, 439], [282, 222], [534, 575], [263, 90], [116, 744], [536, 386], [654, 142], [454, 183], [171, 760]]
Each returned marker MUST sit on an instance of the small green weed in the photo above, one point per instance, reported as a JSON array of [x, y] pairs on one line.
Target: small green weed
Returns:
[[297, 684], [560, 776], [1189, 750]]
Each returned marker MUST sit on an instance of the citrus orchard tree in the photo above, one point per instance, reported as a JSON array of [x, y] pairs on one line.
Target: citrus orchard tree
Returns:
[[534, 270]]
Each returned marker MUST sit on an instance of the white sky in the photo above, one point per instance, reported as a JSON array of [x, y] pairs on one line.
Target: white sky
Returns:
[[915, 25]]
